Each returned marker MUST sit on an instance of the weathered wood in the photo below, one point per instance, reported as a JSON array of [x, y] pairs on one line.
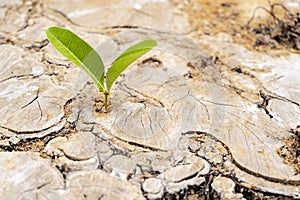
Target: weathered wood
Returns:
[[193, 107]]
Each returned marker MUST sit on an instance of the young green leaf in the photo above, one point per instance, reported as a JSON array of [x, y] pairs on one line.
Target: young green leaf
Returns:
[[125, 59], [84, 56], [79, 52]]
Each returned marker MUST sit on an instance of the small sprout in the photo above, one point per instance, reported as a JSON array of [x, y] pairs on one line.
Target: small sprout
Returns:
[[84, 56]]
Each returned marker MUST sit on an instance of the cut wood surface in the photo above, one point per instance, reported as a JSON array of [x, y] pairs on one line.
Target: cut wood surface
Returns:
[[201, 110]]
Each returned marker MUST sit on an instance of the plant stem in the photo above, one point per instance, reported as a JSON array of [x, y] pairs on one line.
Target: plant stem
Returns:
[[105, 100]]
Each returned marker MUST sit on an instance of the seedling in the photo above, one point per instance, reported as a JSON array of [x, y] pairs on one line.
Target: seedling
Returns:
[[84, 56]]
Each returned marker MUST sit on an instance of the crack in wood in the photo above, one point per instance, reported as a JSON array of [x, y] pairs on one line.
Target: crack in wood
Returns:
[[73, 158], [146, 97], [281, 98], [242, 167], [19, 77], [268, 97], [30, 102]]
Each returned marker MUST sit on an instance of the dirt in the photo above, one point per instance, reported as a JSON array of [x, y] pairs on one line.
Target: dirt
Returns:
[[268, 25], [290, 151], [99, 106], [279, 30]]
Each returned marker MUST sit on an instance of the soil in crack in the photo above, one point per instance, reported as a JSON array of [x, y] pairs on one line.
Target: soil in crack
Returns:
[[290, 151], [273, 26]]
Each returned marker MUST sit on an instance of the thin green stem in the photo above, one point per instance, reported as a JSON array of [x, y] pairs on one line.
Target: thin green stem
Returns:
[[105, 100]]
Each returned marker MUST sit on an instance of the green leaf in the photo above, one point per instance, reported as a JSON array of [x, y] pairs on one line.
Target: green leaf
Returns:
[[79, 52], [126, 58]]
